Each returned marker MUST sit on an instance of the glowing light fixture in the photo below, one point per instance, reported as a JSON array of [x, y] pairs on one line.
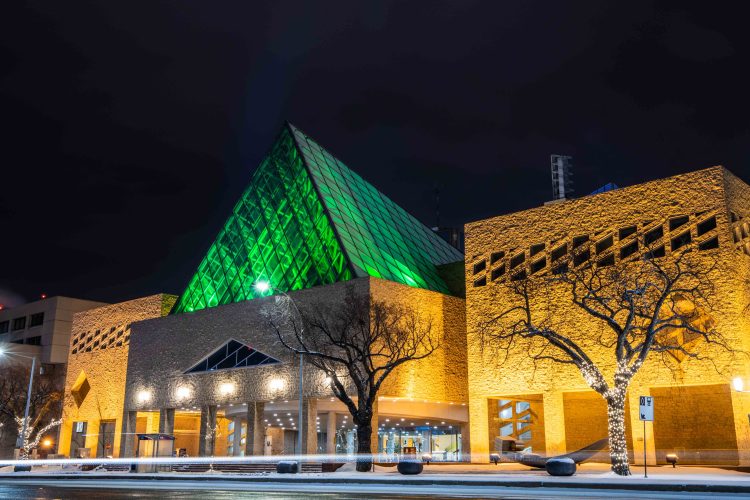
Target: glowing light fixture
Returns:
[[144, 396], [276, 384], [262, 286], [226, 388], [738, 384], [183, 392]]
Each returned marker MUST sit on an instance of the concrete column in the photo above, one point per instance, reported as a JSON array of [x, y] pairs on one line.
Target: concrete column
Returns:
[[309, 432], [479, 429], [237, 436], [207, 442], [374, 424], [554, 423], [465, 442], [636, 427], [741, 407], [127, 436], [254, 437], [331, 433], [166, 421]]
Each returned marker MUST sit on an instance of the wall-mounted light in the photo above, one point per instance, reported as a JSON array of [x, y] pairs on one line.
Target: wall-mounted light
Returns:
[[144, 396], [226, 388], [738, 384], [276, 384], [183, 392]]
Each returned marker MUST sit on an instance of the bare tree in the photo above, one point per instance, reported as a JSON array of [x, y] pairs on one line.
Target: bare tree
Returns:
[[653, 306], [358, 344], [45, 400]]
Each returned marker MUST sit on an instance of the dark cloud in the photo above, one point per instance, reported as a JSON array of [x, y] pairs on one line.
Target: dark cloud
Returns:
[[130, 128]]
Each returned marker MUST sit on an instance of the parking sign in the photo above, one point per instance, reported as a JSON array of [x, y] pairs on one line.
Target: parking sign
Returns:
[[647, 409]]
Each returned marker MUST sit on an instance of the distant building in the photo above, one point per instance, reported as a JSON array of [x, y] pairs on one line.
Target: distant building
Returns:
[[562, 177]]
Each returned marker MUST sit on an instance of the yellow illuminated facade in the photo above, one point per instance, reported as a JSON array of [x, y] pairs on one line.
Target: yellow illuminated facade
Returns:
[[95, 381], [548, 406]]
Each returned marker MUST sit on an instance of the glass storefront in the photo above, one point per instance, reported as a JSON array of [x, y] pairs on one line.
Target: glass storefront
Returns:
[[441, 442]]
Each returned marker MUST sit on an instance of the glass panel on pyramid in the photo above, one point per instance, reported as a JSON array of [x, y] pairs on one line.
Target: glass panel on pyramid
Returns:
[[306, 220]]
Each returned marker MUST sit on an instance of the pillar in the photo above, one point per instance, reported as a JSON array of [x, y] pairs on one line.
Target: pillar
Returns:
[[479, 430], [237, 436], [554, 423], [254, 437], [207, 438], [741, 410], [465, 443], [374, 424], [127, 434], [309, 430], [632, 412], [331, 433], [166, 421]]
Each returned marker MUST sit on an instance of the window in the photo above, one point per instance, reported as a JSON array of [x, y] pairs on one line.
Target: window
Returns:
[[517, 260], [4, 326], [706, 226], [481, 281], [535, 249], [609, 260], [653, 235], [629, 249], [480, 266], [655, 253], [681, 240], [676, 222], [496, 256], [559, 252], [36, 319], [538, 265], [19, 323], [579, 240], [497, 272], [626, 231], [233, 354], [709, 244], [34, 340], [581, 257], [604, 244]]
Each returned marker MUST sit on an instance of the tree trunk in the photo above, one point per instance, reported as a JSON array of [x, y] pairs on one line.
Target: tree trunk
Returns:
[[618, 447], [364, 447]]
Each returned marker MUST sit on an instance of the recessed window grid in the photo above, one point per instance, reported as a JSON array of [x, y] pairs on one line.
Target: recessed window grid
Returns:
[[631, 242], [113, 336]]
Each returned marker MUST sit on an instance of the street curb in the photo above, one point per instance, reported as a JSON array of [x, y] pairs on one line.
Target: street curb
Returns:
[[675, 487]]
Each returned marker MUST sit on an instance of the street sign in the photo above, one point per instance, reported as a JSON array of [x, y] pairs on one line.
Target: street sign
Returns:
[[647, 409]]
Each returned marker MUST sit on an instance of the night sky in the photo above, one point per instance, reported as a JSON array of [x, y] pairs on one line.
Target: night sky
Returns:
[[131, 128]]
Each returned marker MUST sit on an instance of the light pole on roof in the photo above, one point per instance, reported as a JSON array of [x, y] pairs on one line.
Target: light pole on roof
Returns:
[[263, 286]]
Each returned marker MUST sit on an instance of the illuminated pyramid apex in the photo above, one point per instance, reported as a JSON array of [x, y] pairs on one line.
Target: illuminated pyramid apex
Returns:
[[305, 220]]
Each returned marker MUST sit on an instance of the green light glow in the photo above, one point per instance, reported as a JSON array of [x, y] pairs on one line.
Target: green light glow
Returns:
[[307, 220]]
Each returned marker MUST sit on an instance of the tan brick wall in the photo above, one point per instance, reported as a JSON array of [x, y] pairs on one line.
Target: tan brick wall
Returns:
[[443, 375], [105, 369], [699, 195]]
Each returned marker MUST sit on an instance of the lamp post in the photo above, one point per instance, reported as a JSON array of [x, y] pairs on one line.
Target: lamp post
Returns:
[[22, 437], [264, 286]]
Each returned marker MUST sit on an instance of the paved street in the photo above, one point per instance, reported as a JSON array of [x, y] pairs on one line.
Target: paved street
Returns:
[[220, 490]]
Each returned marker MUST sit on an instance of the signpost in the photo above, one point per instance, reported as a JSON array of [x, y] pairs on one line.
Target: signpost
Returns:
[[646, 414]]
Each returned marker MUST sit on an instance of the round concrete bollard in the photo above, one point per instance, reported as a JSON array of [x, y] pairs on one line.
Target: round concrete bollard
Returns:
[[287, 467], [410, 467], [560, 467]]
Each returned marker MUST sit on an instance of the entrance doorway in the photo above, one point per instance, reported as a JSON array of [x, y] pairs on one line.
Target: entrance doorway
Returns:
[[78, 439], [106, 442]]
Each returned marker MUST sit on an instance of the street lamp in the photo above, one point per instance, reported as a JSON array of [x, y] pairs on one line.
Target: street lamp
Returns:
[[262, 287], [22, 437]]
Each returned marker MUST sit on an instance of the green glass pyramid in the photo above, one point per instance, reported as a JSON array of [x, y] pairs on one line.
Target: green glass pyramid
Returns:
[[305, 220]]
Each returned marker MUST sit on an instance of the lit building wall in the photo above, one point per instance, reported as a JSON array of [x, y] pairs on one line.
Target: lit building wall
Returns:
[[163, 350], [712, 205], [97, 366]]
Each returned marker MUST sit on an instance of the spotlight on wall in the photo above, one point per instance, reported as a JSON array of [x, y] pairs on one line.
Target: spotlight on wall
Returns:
[[144, 396], [183, 392], [738, 384], [276, 384], [226, 388]]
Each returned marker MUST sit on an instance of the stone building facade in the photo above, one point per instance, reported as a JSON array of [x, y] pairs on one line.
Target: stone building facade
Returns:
[[94, 391], [252, 410], [548, 406]]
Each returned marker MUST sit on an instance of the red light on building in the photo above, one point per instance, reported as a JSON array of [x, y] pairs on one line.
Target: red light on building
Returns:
[[44, 295]]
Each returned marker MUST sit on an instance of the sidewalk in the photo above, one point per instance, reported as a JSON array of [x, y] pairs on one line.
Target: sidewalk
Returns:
[[589, 476]]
